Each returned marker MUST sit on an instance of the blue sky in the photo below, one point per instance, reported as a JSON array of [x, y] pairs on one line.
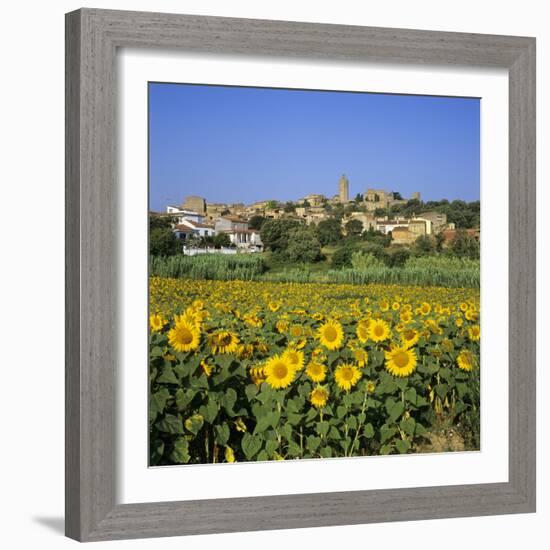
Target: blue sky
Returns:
[[233, 144]]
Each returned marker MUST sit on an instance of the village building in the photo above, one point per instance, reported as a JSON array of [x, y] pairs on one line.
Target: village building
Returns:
[[238, 232], [438, 221], [343, 189], [178, 214], [193, 202]]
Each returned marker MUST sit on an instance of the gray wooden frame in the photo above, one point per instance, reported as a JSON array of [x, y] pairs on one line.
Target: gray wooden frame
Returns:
[[92, 38]]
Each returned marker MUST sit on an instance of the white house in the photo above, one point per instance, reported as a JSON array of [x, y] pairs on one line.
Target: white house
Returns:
[[181, 214]]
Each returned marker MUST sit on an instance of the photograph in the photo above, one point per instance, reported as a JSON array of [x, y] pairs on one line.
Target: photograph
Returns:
[[314, 274]]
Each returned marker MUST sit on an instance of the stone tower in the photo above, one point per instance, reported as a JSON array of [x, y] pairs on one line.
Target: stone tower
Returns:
[[343, 189]]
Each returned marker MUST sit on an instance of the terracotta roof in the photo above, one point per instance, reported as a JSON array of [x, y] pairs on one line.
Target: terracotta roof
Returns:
[[183, 229]]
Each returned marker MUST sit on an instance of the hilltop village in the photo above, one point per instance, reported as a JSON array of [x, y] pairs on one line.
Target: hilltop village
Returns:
[[403, 220]]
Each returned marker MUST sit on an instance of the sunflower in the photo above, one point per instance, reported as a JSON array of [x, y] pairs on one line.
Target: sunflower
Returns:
[[206, 368], [379, 330], [347, 376], [296, 331], [224, 341], [474, 332], [257, 374], [362, 330], [274, 306], [331, 335], [466, 360], [157, 322], [229, 454], [281, 325], [319, 397], [371, 386], [184, 336], [425, 308], [294, 357], [410, 337], [279, 372], [316, 372], [400, 361], [361, 356]]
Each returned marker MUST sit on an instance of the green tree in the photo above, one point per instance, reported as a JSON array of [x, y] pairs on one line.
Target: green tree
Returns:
[[272, 205], [256, 222], [275, 233], [163, 242], [221, 240], [329, 231], [465, 246], [358, 198], [303, 245], [354, 228], [439, 240], [343, 255], [289, 207], [424, 245]]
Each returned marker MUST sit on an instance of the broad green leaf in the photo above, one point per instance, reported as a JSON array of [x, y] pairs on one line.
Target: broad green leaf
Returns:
[[313, 443], [322, 428], [368, 431], [402, 445], [194, 423], [168, 376], [251, 444], [222, 433], [180, 453], [408, 425], [170, 424]]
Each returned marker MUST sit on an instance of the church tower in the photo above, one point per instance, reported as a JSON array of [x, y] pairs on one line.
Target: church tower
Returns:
[[343, 189]]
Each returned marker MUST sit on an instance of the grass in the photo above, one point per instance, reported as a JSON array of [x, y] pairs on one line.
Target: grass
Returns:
[[422, 271]]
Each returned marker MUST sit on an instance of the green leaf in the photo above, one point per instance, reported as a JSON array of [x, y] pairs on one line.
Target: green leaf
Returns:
[[322, 428], [262, 456], [410, 396], [194, 423], [251, 444], [209, 411], [395, 410], [157, 351], [265, 422], [386, 432], [168, 376], [229, 400], [385, 449], [180, 453], [441, 390], [341, 411], [313, 443], [408, 425], [271, 447], [251, 391], [368, 431], [222, 433], [286, 431], [184, 397], [325, 452], [170, 424], [402, 445], [334, 433], [294, 449], [419, 429], [159, 399]]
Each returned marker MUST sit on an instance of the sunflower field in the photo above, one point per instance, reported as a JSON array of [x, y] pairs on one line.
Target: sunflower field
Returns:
[[255, 371]]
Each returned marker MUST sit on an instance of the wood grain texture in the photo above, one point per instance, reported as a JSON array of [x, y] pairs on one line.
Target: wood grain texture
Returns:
[[92, 37]]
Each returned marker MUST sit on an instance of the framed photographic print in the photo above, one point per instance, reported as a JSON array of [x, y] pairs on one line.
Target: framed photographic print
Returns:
[[300, 275]]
